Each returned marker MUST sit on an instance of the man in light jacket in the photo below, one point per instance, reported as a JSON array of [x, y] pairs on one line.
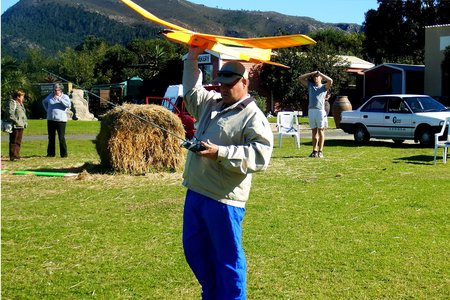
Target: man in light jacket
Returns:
[[238, 141], [56, 105]]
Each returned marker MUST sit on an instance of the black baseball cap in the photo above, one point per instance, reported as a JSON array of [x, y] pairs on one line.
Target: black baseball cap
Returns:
[[231, 72]]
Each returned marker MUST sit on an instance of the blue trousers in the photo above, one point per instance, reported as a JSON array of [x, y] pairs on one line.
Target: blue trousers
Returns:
[[212, 242]]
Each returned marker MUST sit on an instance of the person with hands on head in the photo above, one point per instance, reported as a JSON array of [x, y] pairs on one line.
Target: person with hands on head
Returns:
[[238, 142], [56, 105], [16, 114], [317, 94]]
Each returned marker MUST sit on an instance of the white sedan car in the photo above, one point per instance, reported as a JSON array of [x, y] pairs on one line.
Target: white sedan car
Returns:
[[397, 117]]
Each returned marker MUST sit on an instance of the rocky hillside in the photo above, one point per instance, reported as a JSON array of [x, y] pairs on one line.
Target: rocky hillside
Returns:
[[53, 25]]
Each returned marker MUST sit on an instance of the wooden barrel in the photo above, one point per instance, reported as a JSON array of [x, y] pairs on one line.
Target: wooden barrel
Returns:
[[339, 105], [327, 107]]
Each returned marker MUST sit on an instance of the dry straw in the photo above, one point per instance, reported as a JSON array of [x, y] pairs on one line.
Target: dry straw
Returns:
[[128, 145]]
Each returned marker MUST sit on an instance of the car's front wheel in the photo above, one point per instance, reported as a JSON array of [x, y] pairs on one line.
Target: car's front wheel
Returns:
[[361, 135], [425, 137]]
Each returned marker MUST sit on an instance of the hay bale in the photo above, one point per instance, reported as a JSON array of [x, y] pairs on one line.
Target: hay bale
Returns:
[[127, 144]]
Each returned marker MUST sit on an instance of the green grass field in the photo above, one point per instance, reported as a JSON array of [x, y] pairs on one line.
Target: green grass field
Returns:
[[365, 222]]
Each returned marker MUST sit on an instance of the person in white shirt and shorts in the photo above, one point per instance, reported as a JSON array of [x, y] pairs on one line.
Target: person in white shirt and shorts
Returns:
[[317, 93]]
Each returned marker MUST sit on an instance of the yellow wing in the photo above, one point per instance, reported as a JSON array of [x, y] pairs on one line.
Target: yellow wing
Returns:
[[201, 40], [252, 49], [271, 42]]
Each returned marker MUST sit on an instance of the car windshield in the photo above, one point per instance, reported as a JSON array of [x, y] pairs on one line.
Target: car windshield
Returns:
[[424, 104]]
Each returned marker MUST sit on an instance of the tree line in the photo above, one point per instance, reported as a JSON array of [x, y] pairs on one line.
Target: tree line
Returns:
[[59, 25], [393, 33], [94, 61]]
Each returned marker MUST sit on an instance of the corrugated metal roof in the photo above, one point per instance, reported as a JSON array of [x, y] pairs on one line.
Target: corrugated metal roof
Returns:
[[356, 62], [438, 25]]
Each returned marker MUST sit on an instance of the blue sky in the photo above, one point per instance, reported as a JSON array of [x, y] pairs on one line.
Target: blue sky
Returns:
[[333, 11], [7, 4]]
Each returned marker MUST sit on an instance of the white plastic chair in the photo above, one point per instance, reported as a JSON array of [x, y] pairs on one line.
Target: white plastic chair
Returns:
[[444, 143], [287, 124]]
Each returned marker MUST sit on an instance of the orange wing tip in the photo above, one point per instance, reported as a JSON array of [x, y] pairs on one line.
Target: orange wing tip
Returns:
[[302, 39], [276, 64]]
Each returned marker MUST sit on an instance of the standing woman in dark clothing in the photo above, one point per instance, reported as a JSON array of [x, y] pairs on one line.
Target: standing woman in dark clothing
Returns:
[[56, 105], [17, 116]]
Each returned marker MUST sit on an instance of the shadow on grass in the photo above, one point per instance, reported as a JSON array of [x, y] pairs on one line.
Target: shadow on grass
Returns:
[[287, 156], [376, 143], [86, 167], [351, 143], [89, 167], [25, 156], [417, 159]]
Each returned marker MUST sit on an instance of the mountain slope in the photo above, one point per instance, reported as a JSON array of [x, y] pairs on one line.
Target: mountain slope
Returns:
[[52, 25]]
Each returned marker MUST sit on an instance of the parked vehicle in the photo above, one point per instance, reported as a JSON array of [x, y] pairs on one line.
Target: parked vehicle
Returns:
[[173, 101], [398, 117]]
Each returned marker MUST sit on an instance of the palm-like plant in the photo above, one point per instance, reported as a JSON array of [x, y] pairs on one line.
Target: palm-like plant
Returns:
[[12, 78]]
